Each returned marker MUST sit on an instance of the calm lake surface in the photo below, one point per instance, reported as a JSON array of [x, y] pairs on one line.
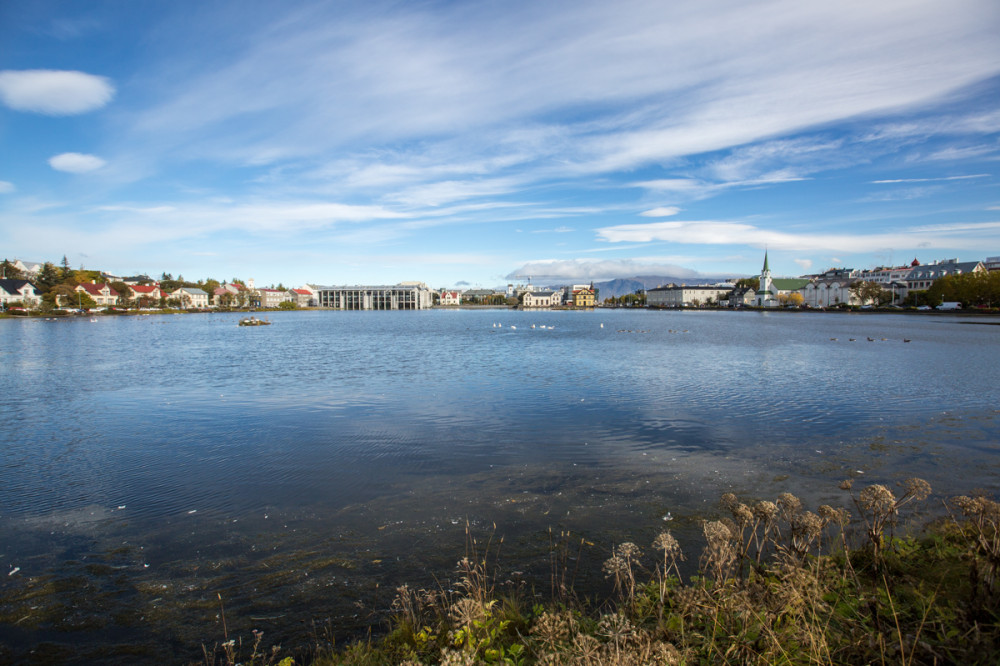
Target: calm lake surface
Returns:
[[303, 470]]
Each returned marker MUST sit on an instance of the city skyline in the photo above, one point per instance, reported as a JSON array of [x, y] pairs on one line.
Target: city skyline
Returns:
[[463, 144]]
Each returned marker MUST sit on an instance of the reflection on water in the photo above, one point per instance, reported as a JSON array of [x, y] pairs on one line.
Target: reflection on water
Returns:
[[152, 463]]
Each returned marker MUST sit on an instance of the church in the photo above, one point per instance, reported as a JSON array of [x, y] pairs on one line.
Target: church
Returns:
[[771, 289]]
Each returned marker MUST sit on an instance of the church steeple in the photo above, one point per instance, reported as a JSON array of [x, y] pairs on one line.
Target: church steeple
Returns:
[[766, 268]]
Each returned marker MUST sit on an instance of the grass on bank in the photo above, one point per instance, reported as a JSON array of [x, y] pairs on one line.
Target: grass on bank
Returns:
[[776, 584]]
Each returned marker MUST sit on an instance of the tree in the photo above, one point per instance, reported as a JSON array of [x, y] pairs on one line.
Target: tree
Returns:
[[288, 305], [48, 277], [9, 271], [66, 271], [748, 283], [124, 298], [870, 292]]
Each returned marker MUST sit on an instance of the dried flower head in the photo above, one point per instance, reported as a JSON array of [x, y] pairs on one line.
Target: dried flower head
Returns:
[[716, 531], [877, 498], [666, 542], [614, 566], [629, 550], [765, 510], [918, 489], [790, 504], [807, 524], [846, 484], [728, 501], [831, 515], [742, 514]]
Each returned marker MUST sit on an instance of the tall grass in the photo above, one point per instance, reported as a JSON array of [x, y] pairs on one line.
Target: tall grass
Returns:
[[775, 584]]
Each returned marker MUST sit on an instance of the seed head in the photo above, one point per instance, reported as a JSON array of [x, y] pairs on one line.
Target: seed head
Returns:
[[766, 510], [918, 489], [790, 504], [742, 514], [877, 498], [666, 542]]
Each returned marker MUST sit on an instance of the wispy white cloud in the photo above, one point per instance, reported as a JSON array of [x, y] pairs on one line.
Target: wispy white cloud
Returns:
[[76, 162], [6, 187], [804, 264], [608, 269], [662, 211], [712, 232], [930, 180], [53, 92]]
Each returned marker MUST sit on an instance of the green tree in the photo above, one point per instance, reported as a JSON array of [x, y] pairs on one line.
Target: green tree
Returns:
[[288, 305], [47, 278], [9, 271], [66, 273], [870, 292], [124, 294], [748, 283]]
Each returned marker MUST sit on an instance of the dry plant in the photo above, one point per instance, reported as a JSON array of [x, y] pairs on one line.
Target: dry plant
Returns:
[[982, 528], [622, 567], [879, 508]]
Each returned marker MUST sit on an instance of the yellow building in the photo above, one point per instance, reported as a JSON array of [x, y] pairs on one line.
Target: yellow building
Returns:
[[584, 298]]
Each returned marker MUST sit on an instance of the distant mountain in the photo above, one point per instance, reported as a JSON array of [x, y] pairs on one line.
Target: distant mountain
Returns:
[[622, 286]]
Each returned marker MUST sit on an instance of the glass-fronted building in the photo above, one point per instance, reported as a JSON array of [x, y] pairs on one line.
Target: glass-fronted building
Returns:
[[403, 296]]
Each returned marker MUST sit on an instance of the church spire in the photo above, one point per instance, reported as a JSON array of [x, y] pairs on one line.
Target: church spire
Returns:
[[766, 268]]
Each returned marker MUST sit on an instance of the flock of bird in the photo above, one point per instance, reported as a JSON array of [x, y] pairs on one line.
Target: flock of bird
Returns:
[[629, 330], [869, 338]]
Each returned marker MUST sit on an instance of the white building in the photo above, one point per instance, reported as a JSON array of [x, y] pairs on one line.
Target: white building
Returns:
[[403, 296], [450, 298], [19, 291], [541, 299], [686, 296], [191, 297]]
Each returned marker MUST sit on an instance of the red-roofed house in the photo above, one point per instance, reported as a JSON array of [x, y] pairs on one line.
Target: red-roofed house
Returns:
[[451, 298], [102, 294], [145, 295], [303, 297]]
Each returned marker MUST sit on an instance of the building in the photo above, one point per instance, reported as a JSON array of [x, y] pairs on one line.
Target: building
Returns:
[[772, 291], [585, 297], [484, 296], [303, 297], [922, 277], [829, 292], [191, 297], [19, 291], [272, 298], [102, 294], [145, 295], [541, 299], [29, 268], [675, 296], [403, 296], [450, 298]]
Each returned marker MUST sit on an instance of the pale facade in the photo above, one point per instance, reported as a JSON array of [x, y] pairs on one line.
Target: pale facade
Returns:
[[686, 296], [450, 298], [102, 294], [19, 291], [191, 297], [828, 293], [272, 298], [403, 296], [539, 299]]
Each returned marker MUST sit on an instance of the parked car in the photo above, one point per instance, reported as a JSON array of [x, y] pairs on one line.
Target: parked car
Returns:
[[950, 305]]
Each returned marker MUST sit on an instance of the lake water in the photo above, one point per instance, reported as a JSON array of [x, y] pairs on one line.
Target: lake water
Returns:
[[303, 470]]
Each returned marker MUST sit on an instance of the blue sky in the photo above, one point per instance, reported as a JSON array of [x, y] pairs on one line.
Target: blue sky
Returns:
[[462, 143]]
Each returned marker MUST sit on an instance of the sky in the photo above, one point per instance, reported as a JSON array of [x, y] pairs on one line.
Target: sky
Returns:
[[471, 144]]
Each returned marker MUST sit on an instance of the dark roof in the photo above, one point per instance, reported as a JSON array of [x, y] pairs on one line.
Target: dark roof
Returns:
[[12, 286]]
